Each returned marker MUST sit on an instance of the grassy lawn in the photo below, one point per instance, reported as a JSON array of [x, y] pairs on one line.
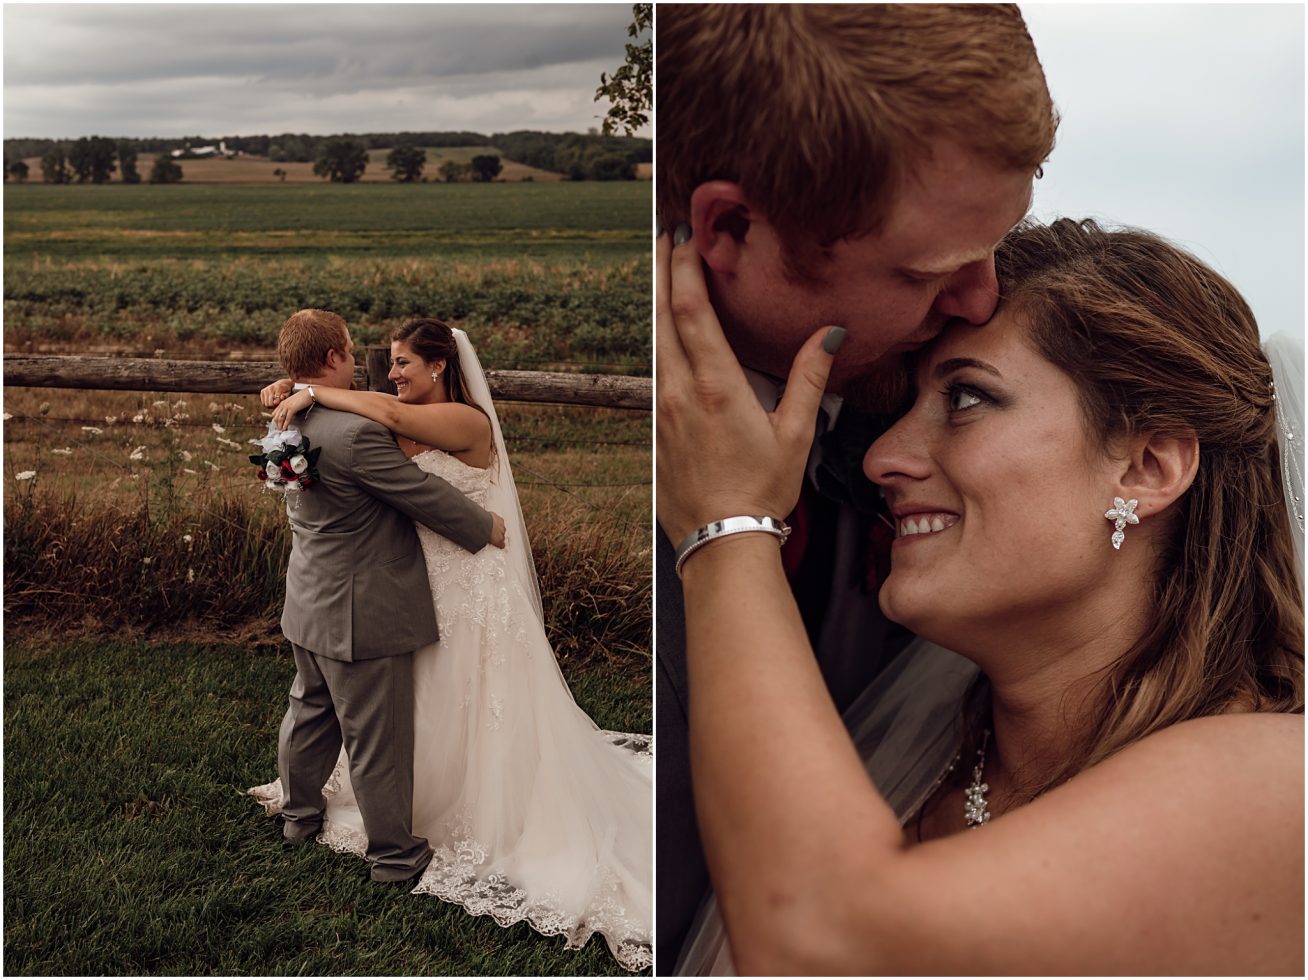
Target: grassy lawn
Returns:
[[130, 847]]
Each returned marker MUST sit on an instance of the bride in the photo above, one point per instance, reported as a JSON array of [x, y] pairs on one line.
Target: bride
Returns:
[[534, 814], [1098, 503]]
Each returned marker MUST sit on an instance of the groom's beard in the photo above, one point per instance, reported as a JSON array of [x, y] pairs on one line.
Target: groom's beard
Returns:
[[884, 388]]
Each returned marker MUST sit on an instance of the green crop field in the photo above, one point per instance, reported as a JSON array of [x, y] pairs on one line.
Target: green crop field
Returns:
[[538, 273]]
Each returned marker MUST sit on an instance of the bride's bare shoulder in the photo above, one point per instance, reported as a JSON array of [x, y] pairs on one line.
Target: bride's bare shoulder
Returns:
[[1232, 734], [1256, 758]]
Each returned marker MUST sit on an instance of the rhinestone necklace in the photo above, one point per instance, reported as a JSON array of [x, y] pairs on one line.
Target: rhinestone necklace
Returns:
[[975, 810]]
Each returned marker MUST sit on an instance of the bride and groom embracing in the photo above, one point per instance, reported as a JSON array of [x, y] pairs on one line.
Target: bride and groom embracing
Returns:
[[453, 759], [1021, 690]]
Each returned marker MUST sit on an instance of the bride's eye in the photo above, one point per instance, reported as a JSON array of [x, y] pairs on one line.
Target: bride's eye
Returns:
[[960, 398]]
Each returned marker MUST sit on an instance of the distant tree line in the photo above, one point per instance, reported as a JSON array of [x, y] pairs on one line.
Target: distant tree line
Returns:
[[579, 156], [342, 158]]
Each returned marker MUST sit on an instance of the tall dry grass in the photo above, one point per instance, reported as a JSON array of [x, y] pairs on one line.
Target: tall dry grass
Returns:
[[75, 562], [153, 522]]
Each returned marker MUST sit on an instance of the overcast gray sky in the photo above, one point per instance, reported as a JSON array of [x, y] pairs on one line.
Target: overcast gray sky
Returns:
[[233, 69], [1188, 120]]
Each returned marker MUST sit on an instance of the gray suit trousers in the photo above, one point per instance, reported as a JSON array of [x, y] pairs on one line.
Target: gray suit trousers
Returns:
[[367, 705]]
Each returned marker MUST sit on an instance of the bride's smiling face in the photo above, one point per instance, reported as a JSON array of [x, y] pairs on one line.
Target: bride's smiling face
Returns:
[[996, 490], [412, 375]]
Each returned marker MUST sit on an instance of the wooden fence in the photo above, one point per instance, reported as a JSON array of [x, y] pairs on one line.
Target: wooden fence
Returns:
[[248, 377]]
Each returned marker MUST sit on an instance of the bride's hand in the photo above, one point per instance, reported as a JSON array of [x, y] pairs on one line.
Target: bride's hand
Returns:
[[276, 392], [287, 409], [719, 453]]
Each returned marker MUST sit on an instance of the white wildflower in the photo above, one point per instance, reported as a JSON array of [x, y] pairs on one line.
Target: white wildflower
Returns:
[[7, 416], [218, 428], [179, 404], [25, 475], [192, 472], [159, 406], [187, 538], [110, 419], [62, 452], [138, 454], [147, 561], [212, 466], [190, 575], [138, 417], [186, 457], [228, 442], [214, 407], [92, 430]]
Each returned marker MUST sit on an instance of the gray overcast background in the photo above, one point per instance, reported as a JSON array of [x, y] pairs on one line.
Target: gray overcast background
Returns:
[[242, 69], [1187, 120]]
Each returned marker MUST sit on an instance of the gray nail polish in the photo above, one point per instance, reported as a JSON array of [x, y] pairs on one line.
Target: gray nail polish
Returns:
[[681, 234], [834, 338]]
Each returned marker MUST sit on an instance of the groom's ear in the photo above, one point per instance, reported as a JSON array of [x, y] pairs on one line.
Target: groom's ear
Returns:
[[720, 218], [1158, 470]]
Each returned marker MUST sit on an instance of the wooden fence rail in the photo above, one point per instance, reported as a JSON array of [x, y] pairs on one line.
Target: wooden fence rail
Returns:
[[248, 377]]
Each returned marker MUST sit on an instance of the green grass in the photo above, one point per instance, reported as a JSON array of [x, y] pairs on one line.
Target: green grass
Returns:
[[131, 849]]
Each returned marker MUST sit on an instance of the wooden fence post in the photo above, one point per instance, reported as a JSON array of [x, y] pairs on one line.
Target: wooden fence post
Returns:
[[378, 365]]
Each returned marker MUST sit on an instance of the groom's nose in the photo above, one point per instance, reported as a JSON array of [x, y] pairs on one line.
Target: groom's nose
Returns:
[[972, 293]]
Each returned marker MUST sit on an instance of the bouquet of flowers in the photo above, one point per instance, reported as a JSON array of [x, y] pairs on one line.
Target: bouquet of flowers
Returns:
[[287, 462]]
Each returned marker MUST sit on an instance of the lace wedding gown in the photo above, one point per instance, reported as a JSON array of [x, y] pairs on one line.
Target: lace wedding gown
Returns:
[[533, 813]]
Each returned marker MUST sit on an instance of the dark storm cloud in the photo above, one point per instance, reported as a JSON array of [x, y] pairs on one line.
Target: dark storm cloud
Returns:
[[71, 70]]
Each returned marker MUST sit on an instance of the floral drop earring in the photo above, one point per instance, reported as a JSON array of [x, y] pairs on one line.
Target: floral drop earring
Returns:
[[1122, 514]]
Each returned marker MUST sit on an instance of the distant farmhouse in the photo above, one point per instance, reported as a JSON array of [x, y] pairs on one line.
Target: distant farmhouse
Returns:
[[206, 151]]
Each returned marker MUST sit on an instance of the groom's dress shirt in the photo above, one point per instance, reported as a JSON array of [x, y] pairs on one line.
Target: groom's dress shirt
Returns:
[[834, 561]]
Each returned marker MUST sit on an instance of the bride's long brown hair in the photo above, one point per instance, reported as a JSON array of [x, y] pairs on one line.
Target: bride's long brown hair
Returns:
[[1156, 342]]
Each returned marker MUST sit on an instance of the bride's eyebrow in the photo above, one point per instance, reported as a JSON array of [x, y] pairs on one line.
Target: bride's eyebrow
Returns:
[[958, 363]]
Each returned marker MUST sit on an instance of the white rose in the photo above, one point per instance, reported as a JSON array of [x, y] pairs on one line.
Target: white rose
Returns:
[[299, 464], [272, 471]]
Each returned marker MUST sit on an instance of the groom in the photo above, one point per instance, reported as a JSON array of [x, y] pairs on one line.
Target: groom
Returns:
[[357, 605], [850, 165]]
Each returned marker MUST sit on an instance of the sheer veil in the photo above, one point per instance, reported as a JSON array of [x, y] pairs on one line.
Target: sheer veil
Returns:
[[1286, 357], [503, 495]]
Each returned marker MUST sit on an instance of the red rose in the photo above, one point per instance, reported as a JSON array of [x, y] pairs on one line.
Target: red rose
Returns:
[[288, 474]]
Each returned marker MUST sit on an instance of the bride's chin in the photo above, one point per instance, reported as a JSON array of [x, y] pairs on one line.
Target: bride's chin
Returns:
[[900, 606]]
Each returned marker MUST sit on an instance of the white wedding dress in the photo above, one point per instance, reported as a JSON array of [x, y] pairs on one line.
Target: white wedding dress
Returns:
[[533, 813]]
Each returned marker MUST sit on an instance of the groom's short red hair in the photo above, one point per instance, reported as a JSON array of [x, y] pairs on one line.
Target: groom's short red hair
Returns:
[[305, 339], [820, 111]]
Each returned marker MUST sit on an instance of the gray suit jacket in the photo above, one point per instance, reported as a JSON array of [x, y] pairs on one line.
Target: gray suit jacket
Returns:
[[357, 588]]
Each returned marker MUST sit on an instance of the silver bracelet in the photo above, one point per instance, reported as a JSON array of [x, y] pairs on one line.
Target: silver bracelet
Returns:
[[729, 525]]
